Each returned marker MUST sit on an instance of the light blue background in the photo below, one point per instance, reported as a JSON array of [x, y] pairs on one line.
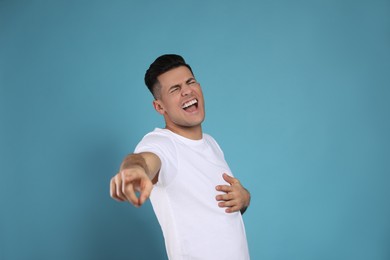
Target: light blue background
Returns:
[[297, 94]]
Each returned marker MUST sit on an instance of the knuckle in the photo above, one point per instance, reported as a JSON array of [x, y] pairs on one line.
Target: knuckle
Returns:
[[117, 179], [126, 178]]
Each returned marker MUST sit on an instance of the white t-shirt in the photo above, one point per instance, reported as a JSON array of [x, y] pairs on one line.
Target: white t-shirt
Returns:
[[183, 199]]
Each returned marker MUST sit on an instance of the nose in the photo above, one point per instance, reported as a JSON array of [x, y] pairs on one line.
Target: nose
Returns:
[[186, 90]]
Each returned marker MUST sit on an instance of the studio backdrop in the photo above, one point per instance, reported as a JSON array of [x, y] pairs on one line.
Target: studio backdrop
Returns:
[[297, 94]]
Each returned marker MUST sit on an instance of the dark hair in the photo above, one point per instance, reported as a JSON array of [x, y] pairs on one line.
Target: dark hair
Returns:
[[161, 65]]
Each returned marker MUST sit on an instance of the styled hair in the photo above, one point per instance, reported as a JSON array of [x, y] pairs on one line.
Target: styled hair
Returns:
[[161, 65]]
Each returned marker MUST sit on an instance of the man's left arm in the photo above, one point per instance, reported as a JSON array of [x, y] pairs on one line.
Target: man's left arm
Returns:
[[236, 197]]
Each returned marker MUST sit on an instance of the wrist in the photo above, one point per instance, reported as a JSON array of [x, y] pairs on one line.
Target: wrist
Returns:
[[134, 161]]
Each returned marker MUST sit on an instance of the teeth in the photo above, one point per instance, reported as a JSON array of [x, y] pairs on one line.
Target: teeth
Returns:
[[190, 103]]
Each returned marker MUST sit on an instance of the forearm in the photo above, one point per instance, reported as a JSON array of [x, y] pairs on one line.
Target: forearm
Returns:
[[149, 162], [133, 160]]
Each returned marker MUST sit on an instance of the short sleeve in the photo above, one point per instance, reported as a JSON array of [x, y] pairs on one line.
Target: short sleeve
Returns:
[[163, 146]]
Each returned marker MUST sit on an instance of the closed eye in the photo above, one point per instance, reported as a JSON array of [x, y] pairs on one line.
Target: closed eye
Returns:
[[191, 82], [174, 89]]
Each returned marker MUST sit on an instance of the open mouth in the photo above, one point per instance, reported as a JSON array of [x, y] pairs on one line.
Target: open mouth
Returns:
[[190, 105]]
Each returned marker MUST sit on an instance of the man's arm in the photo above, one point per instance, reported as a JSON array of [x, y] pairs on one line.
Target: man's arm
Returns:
[[237, 198], [137, 173]]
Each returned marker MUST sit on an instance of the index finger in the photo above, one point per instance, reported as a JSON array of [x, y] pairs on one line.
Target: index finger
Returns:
[[128, 191], [146, 189]]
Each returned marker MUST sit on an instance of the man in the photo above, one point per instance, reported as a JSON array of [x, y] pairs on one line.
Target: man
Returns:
[[197, 201]]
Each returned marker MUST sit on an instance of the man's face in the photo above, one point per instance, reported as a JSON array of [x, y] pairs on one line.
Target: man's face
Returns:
[[180, 100]]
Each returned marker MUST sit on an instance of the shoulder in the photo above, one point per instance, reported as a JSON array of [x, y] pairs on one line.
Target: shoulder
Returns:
[[208, 138], [158, 134], [212, 142], [157, 139]]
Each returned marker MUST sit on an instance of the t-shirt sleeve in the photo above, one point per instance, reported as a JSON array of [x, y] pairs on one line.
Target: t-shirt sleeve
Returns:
[[164, 148]]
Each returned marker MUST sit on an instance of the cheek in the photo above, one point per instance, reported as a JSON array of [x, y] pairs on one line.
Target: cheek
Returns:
[[200, 92], [171, 105]]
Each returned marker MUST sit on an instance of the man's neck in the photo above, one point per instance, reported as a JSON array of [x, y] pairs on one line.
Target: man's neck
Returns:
[[193, 133]]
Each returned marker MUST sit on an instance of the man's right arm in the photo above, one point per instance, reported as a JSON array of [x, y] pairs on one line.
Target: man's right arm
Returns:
[[137, 173]]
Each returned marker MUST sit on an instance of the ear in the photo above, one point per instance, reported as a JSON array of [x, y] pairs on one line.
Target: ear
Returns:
[[158, 106]]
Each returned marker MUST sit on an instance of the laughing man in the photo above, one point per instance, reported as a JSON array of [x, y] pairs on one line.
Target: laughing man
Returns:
[[197, 201]]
